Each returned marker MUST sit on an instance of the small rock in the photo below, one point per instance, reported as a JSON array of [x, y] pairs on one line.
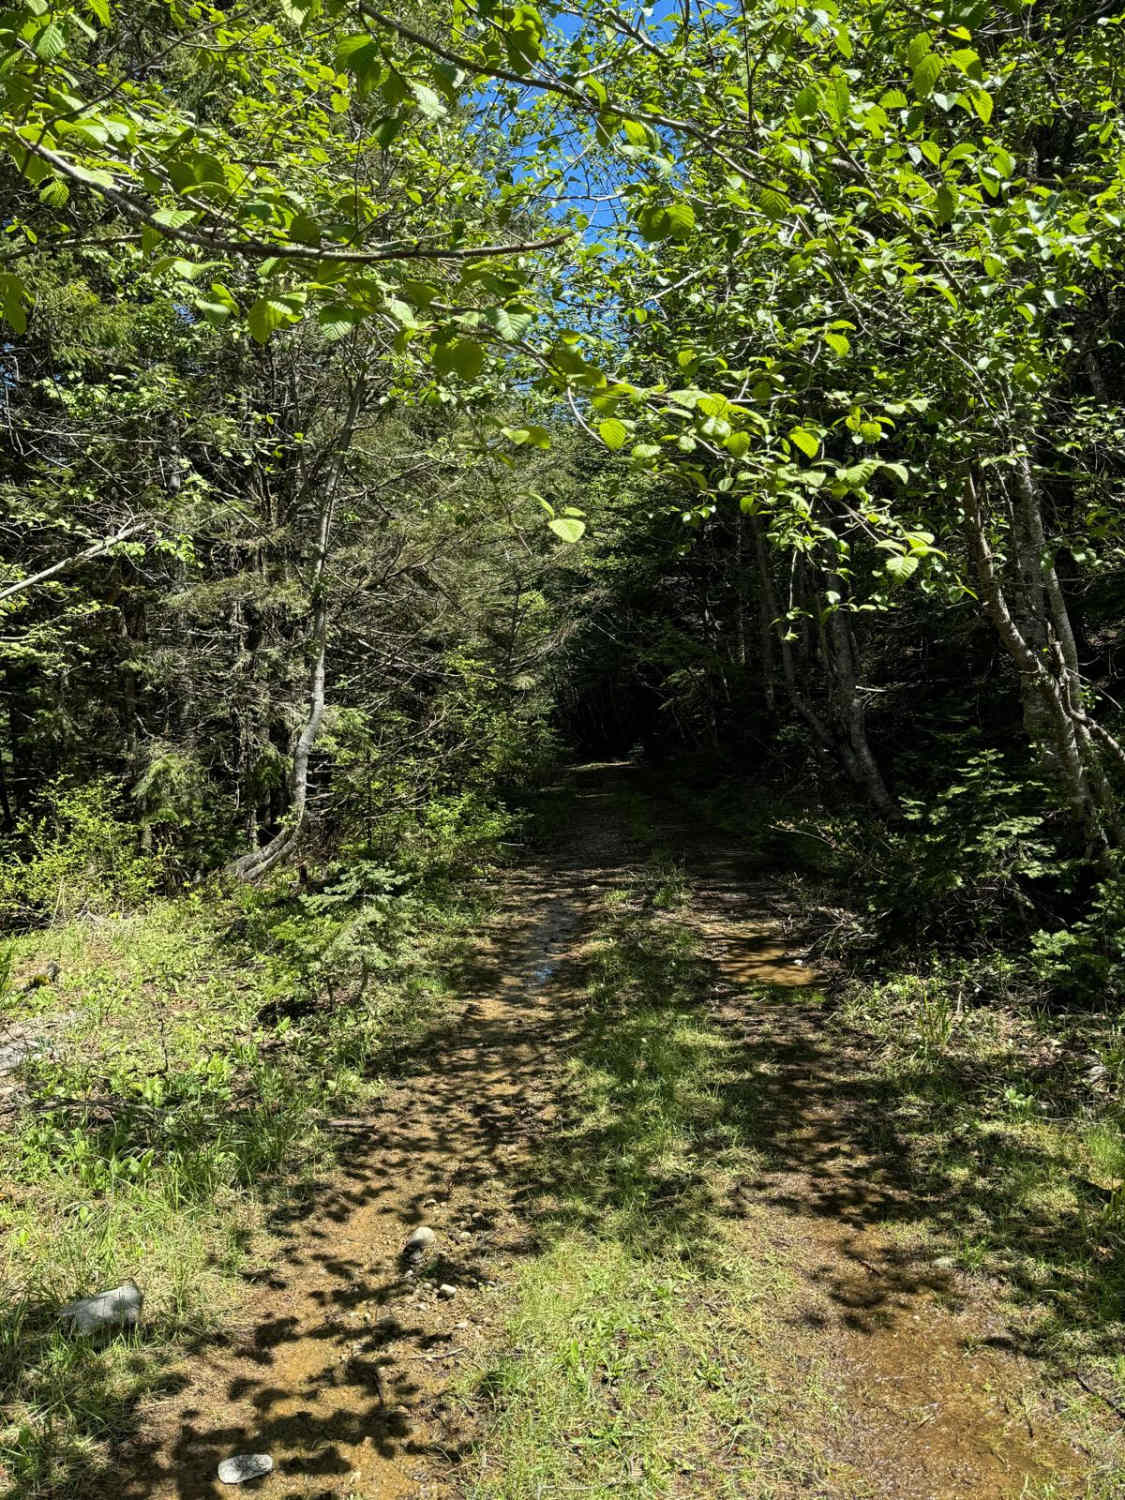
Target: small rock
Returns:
[[945, 1263], [446, 1291], [464, 1234], [15, 1052], [420, 1241], [120, 1307], [244, 1466]]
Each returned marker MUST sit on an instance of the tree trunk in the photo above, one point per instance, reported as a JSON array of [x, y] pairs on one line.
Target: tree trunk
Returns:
[[852, 748], [1049, 677], [257, 862], [851, 711]]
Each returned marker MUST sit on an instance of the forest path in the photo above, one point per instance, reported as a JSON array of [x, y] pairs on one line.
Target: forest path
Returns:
[[343, 1366]]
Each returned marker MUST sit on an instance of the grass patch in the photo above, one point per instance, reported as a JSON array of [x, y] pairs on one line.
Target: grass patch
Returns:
[[188, 1058], [632, 1361]]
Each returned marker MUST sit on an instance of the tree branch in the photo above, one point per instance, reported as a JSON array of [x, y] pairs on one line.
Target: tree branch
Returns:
[[205, 239], [70, 562]]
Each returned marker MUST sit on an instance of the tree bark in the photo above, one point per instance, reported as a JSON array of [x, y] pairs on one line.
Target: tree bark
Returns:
[[1049, 677], [257, 862]]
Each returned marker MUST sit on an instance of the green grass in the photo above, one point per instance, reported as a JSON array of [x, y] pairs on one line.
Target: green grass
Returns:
[[632, 1362], [197, 1048]]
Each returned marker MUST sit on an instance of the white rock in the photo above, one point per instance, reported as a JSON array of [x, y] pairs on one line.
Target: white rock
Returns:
[[421, 1240], [446, 1291], [120, 1307], [244, 1466]]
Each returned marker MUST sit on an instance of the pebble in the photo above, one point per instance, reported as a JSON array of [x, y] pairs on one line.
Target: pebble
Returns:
[[446, 1291], [422, 1238], [120, 1307], [244, 1466]]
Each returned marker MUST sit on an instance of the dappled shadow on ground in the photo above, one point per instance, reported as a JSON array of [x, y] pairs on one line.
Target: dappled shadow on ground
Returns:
[[340, 1374], [837, 1145], [339, 1366], [840, 1142]]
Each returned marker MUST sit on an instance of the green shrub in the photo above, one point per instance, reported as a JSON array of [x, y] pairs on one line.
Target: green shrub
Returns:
[[78, 856], [1086, 961], [970, 860]]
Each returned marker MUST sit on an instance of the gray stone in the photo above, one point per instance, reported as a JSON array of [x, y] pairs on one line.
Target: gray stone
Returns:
[[420, 1241], [120, 1307], [447, 1291], [244, 1466], [14, 1052]]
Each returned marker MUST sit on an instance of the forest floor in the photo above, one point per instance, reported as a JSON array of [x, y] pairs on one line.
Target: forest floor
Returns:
[[678, 1249], [688, 1243]]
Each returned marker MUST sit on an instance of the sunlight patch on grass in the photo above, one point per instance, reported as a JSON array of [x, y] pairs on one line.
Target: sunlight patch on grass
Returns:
[[190, 1054], [625, 1374]]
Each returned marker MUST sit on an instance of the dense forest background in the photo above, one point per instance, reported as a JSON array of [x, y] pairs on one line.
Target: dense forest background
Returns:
[[328, 501], [399, 406]]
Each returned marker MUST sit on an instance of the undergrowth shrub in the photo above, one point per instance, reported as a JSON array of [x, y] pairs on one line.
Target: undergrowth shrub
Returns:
[[1085, 961], [971, 861], [78, 855]]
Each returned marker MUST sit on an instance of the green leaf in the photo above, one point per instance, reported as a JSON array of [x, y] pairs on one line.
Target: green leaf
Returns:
[[569, 528], [13, 295], [982, 103], [926, 75], [899, 569], [945, 203], [530, 437], [266, 315], [919, 48], [680, 218], [173, 218], [803, 439], [304, 229], [54, 193], [428, 102], [337, 319], [774, 204], [807, 102], [614, 434], [51, 42], [512, 323], [467, 358]]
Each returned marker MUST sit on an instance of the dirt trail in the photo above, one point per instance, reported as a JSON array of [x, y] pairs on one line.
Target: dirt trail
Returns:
[[936, 1403], [342, 1366]]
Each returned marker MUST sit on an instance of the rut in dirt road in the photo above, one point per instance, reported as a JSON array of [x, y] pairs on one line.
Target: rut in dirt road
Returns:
[[343, 1369], [340, 1374]]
